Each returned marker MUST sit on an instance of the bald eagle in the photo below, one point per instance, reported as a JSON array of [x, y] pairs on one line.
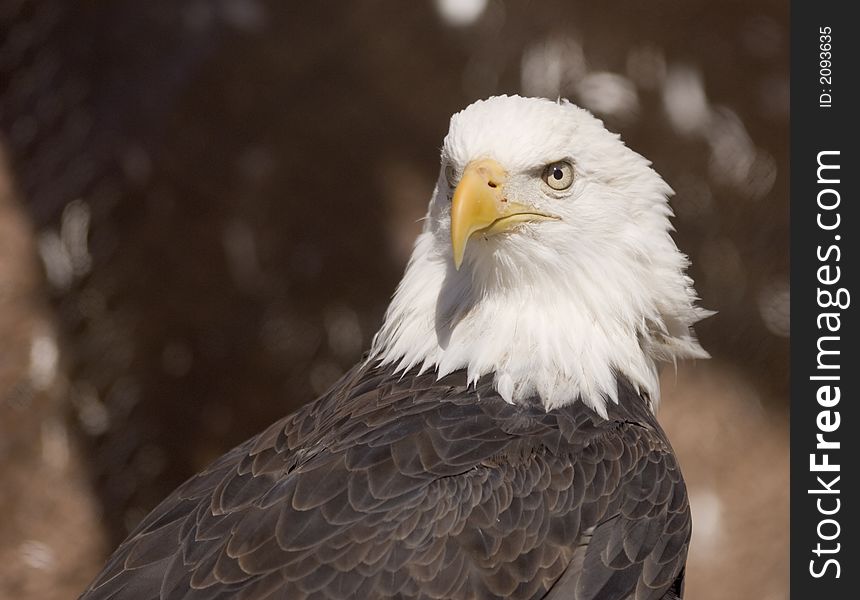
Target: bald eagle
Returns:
[[498, 440]]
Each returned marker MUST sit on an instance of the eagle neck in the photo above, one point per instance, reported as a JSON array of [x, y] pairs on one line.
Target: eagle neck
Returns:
[[563, 340]]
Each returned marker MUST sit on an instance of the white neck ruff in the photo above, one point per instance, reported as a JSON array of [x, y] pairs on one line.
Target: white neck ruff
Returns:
[[562, 338]]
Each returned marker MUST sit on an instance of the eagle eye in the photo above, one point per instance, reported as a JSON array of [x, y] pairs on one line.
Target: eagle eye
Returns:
[[558, 175], [451, 175]]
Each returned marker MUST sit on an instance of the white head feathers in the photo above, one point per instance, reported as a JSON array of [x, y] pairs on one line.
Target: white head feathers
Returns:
[[554, 308]]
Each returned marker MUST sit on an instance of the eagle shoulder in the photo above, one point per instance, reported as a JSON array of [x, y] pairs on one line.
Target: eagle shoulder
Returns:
[[407, 487]]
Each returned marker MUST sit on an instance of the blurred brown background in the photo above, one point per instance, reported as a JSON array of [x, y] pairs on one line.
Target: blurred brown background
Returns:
[[205, 204]]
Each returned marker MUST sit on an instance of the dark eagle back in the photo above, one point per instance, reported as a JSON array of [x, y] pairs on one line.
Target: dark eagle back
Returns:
[[402, 486]]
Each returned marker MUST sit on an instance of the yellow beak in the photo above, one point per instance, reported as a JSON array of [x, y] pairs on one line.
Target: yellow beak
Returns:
[[480, 206]]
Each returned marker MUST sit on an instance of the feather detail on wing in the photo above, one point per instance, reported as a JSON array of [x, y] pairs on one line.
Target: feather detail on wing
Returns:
[[408, 487]]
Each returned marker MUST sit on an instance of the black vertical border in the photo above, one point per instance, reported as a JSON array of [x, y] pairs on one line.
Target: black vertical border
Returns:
[[815, 129]]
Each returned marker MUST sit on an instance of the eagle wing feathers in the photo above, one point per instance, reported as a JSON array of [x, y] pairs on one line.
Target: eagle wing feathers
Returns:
[[395, 486]]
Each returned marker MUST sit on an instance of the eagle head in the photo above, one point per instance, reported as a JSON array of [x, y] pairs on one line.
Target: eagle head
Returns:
[[546, 259]]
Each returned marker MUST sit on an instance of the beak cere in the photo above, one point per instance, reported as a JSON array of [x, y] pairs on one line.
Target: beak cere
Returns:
[[479, 205]]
